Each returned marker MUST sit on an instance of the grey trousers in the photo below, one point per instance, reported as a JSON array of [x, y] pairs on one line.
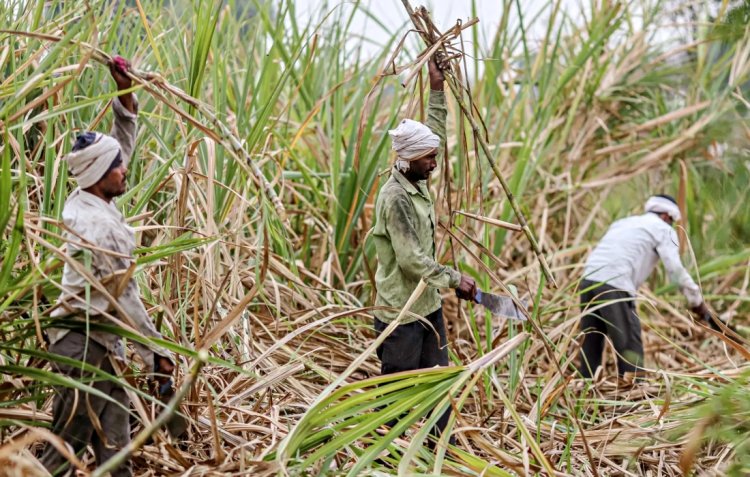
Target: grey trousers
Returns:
[[73, 410], [616, 320]]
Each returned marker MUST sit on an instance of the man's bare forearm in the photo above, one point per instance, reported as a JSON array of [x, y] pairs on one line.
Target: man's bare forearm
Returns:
[[128, 101]]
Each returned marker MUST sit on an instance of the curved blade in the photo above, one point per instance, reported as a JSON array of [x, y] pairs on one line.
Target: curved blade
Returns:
[[500, 305]]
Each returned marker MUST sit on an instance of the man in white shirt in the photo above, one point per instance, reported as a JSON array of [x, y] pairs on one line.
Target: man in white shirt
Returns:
[[618, 266], [102, 244]]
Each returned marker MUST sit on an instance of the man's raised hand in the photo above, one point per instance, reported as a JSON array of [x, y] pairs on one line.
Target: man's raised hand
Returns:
[[436, 75], [118, 68]]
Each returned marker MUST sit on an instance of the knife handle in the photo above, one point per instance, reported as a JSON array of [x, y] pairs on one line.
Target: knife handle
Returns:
[[476, 298]]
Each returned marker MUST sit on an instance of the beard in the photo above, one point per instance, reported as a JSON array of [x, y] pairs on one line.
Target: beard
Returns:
[[415, 176], [112, 192]]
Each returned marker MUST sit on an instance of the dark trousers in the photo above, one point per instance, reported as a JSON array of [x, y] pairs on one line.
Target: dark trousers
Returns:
[[415, 345], [616, 320], [73, 411]]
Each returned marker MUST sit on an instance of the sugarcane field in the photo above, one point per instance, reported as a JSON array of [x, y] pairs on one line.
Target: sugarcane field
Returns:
[[374, 237]]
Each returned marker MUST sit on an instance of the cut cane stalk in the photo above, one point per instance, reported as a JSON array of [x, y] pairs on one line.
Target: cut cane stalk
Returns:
[[431, 40]]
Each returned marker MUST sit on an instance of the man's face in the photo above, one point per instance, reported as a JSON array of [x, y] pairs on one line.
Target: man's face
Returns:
[[114, 183], [420, 169]]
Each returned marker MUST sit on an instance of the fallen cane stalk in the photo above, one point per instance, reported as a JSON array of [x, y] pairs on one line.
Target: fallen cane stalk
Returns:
[[429, 41], [160, 421]]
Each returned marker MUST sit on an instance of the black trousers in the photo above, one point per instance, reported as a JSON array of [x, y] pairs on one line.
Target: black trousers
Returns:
[[616, 320], [72, 411], [416, 345]]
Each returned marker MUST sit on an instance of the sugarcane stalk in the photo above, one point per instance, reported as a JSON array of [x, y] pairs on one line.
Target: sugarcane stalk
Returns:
[[506, 188], [220, 132], [430, 40], [225, 137]]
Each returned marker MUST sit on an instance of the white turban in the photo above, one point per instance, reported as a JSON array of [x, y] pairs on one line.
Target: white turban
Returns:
[[412, 140], [89, 164], [660, 205]]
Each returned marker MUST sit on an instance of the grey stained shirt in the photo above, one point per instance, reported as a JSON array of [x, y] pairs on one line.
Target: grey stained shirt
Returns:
[[404, 237], [101, 241]]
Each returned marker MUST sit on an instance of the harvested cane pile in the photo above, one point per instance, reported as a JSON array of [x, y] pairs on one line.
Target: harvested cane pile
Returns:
[[259, 158]]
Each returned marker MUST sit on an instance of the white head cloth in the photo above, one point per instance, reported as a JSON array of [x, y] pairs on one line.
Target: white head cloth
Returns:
[[412, 140], [661, 205], [89, 164]]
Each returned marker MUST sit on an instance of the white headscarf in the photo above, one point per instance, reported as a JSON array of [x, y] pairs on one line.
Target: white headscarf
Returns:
[[412, 140], [660, 205], [89, 164]]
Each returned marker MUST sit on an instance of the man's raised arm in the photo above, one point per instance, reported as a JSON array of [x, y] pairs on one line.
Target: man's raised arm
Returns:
[[437, 111], [125, 108]]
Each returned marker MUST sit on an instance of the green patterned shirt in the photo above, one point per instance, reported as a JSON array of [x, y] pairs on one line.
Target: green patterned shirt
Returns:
[[404, 237]]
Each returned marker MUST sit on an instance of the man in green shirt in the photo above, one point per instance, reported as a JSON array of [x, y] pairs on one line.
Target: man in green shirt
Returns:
[[404, 237]]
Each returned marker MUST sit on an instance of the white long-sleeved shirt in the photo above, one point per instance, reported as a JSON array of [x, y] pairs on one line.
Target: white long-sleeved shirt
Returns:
[[99, 229], [629, 251]]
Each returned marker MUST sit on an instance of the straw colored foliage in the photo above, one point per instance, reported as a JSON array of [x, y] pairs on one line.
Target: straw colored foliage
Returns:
[[261, 147]]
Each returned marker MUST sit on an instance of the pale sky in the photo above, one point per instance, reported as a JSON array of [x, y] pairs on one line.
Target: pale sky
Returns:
[[445, 12]]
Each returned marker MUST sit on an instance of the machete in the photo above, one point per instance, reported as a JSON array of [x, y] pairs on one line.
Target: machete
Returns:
[[500, 305]]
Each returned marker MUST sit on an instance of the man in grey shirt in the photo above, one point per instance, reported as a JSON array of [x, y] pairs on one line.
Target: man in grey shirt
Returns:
[[98, 287]]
